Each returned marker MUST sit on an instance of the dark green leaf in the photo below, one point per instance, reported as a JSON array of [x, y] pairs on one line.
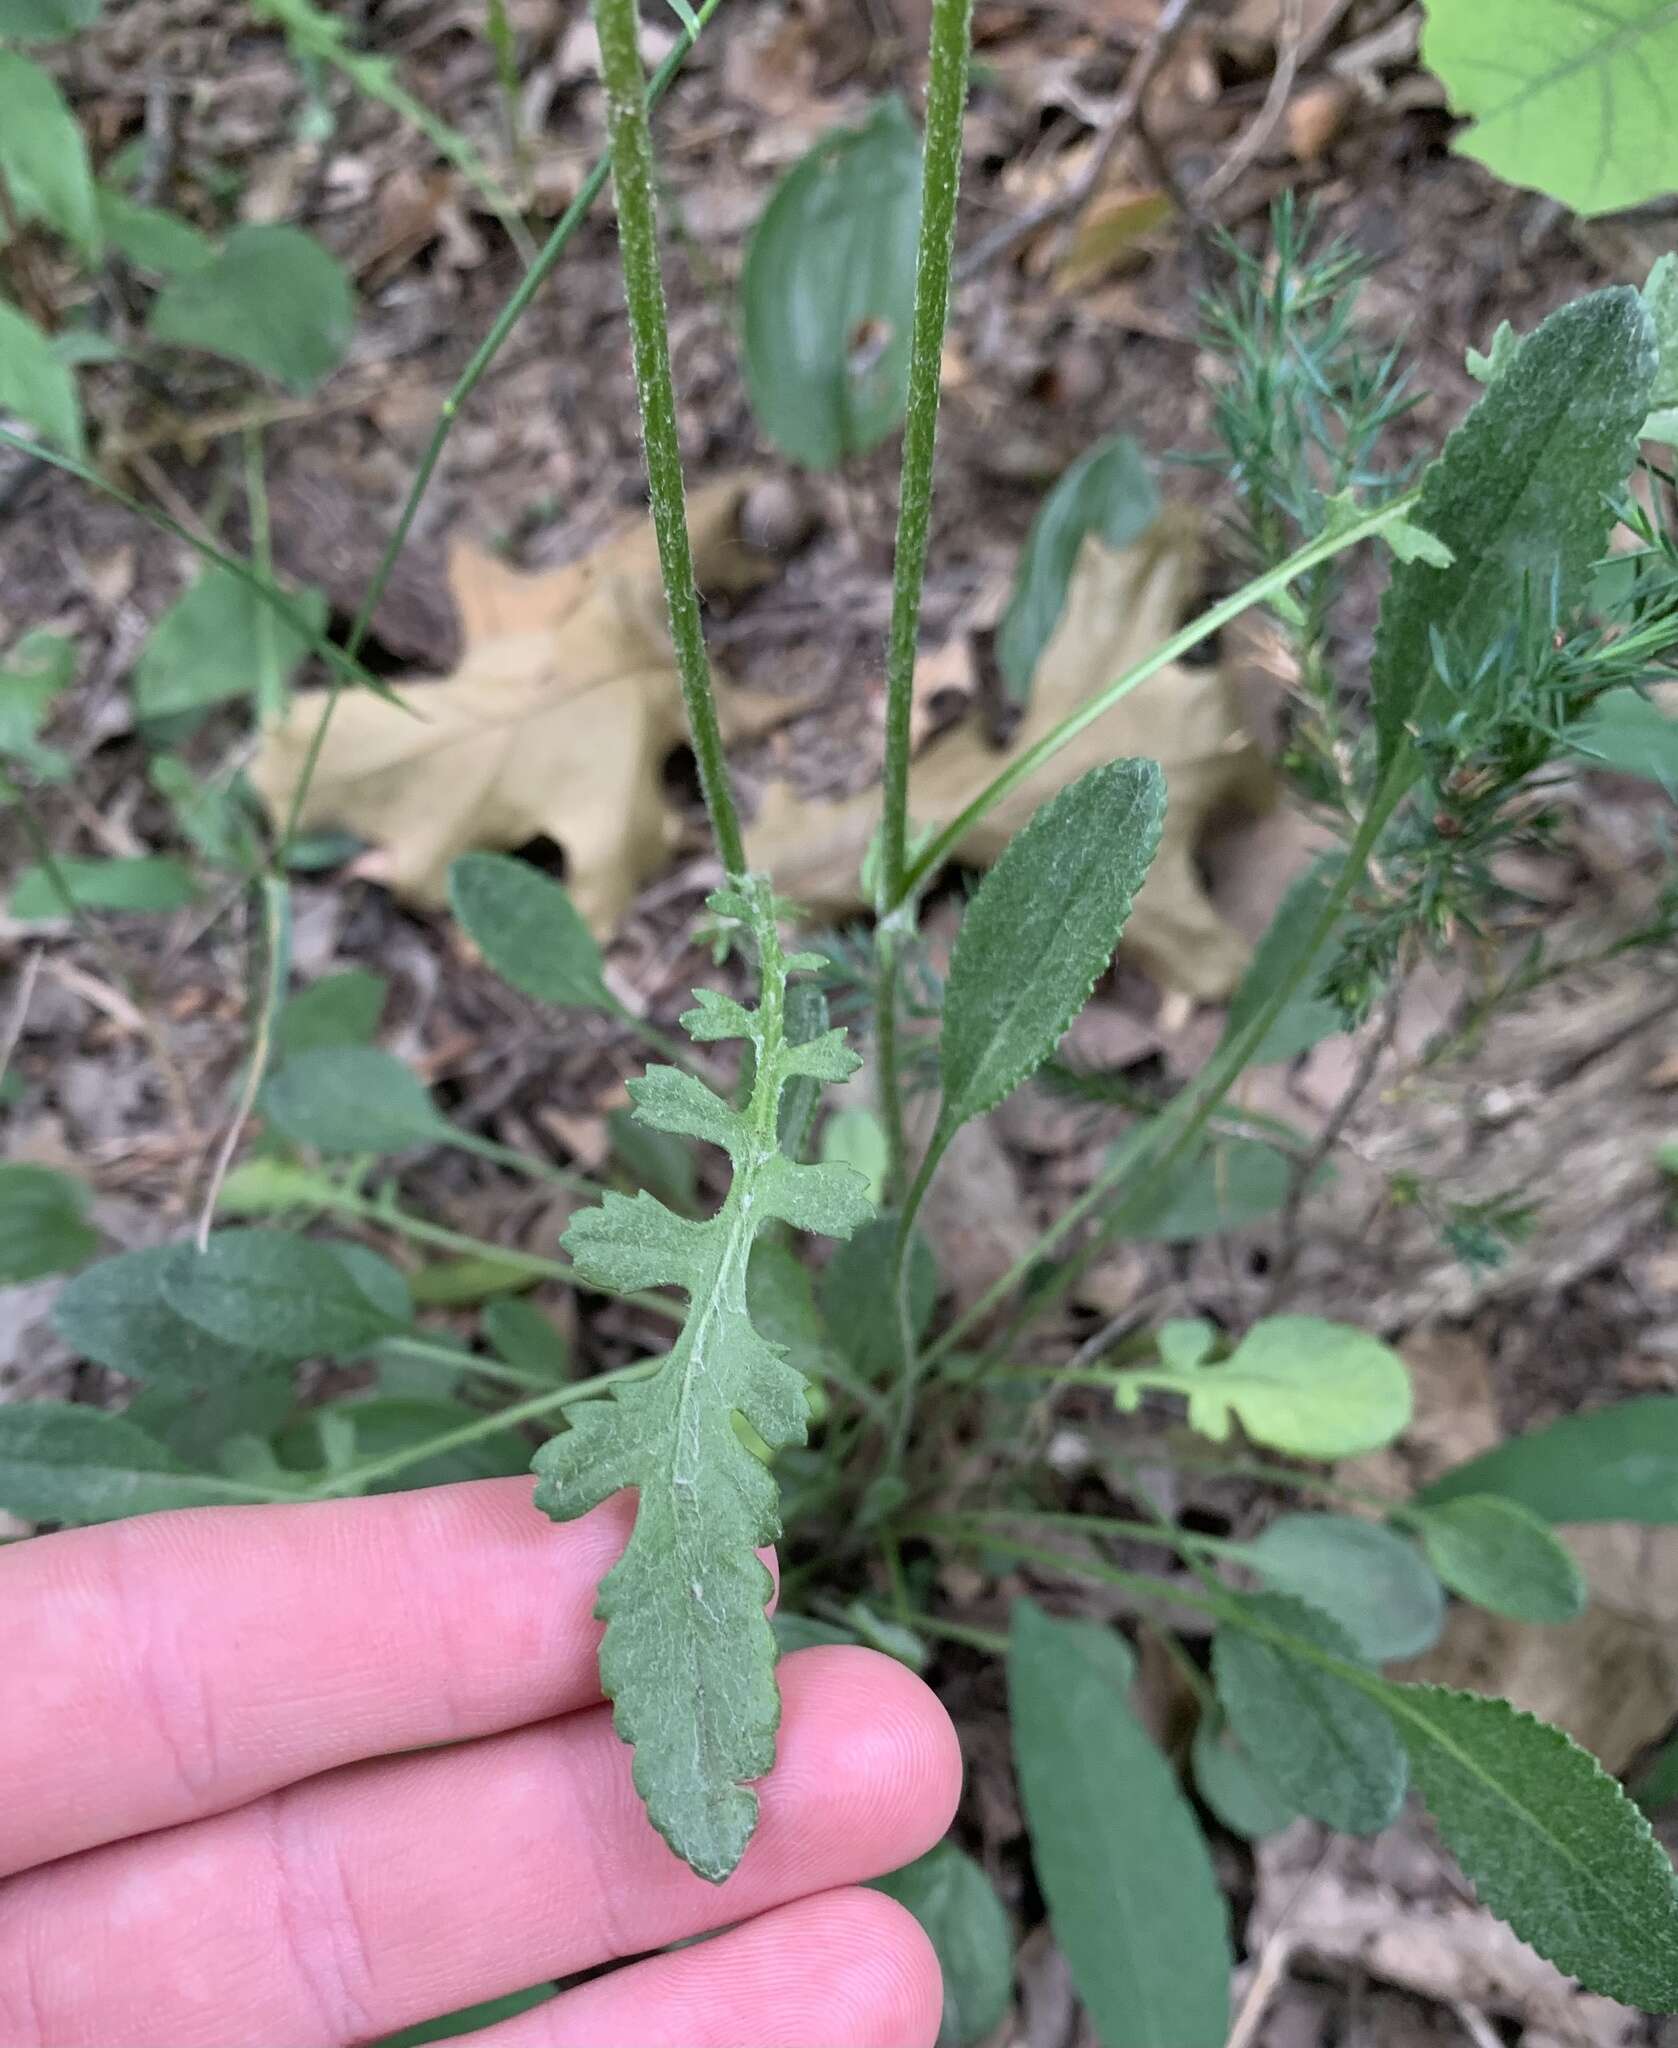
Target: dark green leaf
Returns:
[[654, 1160], [1233, 1786], [339, 1009], [1520, 496], [35, 385], [1132, 1898], [1226, 1184], [212, 643], [277, 1295], [1372, 1581], [64, 1464], [1656, 1786], [272, 299], [1306, 1017], [528, 930], [46, 21], [210, 816], [1500, 1555], [470, 2019], [828, 290], [1328, 1748], [43, 1223], [1616, 1464], [147, 881], [1041, 929], [781, 1295], [525, 1337], [1549, 1841], [385, 1423], [964, 1920], [43, 158], [802, 1632], [351, 1098], [115, 1315], [195, 1422], [1107, 492], [150, 238], [1627, 733], [858, 1302]]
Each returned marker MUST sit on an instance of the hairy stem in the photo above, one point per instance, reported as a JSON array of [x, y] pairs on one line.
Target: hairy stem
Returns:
[[618, 25]]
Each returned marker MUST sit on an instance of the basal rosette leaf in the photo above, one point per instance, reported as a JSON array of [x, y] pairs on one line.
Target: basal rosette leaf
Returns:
[[688, 1656]]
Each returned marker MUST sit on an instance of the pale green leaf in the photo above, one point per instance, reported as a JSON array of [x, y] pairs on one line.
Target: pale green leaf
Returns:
[[1041, 929], [1108, 492], [1562, 96], [1520, 496], [64, 1464], [212, 643], [1660, 300], [1233, 1786], [1484, 368], [856, 1138], [115, 1315], [1122, 1864], [142, 881], [528, 930], [1501, 1556], [1625, 732], [43, 1223], [43, 158], [272, 299], [688, 1656], [269, 1187], [1617, 1464], [1548, 1840], [1329, 1749], [828, 290], [968, 1927], [1295, 1383], [1369, 1579], [46, 21], [35, 385], [281, 1296], [351, 1098], [339, 1009], [1184, 1341]]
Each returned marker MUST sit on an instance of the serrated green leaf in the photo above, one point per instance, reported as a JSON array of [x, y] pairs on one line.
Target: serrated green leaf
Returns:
[[1233, 1786], [688, 1656], [827, 292], [1501, 1556], [1520, 496], [64, 1464], [1132, 1897], [46, 21], [1295, 1383], [138, 882], [43, 158], [35, 385], [1617, 1464], [528, 930], [1548, 1840], [965, 1921], [1041, 929], [273, 299], [351, 1098], [1373, 1582], [1330, 1750], [43, 1223], [211, 645], [1109, 492], [1562, 97], [339, 1009], [280, 1296], [115, 1315]]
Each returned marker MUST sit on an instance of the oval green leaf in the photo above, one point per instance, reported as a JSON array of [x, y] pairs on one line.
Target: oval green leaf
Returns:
[[339, 1009], [1372, 1581], [280, 1296], [272, 298], [828, 291], [64, 1464], [1041, 929], [965, 1921], [351, 1098], [115, 1315], [43, 1223], [1132, 1896], [1616, 1464], [1329, 1749], [142, 881], [1233, 1786], [1501, 1556], [217, 641], [43, 158], [35, 385], [528, 930]]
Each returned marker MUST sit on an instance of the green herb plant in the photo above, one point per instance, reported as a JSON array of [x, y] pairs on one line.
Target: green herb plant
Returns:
[[773, 1406]]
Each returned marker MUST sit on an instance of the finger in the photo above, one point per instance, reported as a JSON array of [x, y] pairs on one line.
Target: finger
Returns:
[[849, 1969], [338, 1910], [190, 1662]]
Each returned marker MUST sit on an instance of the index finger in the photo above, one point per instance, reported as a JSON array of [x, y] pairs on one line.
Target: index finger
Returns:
[[180, 1664]]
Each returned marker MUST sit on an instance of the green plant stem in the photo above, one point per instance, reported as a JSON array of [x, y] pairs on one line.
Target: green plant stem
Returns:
[[650, 1036], [946, 100], [992, 1641], [971, 1529], [618, 25], [461, 1361], [270, 689], [516, 1161], [888, 1077], [275, 898], [943, 843]]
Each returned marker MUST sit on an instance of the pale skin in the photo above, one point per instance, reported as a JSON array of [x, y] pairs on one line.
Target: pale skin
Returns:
[[296, 1777]]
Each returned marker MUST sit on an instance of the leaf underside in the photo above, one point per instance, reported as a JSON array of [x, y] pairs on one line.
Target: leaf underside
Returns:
[[688, 1656]]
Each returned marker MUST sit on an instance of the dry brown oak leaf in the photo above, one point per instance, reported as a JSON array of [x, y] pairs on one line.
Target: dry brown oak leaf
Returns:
[[556, 723], [1121, 604]]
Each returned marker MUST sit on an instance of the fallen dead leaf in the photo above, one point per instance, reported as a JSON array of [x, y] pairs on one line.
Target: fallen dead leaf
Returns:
[[556, 723], [1111, 235], [1122, 603]]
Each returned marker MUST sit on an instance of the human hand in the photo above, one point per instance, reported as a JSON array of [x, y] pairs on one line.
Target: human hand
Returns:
[[215, 1828]]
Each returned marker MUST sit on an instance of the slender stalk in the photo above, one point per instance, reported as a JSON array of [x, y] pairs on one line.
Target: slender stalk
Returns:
[[276, 960], [618, 25], [973, 1529], [425, 1353], [946, 99], [270, 685], [888, 1078]]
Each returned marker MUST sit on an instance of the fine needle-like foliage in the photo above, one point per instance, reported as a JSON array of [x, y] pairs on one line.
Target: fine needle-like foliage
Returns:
[[688, 1657]]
